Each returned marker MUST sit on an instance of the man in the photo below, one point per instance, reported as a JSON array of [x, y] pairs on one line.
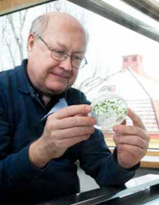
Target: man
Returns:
[[38, 151]]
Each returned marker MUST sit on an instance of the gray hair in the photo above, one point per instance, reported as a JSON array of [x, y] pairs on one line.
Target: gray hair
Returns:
[[39, 24]]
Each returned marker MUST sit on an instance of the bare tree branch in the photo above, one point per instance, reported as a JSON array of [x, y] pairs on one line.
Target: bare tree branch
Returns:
[[16, 38], [11, 54]]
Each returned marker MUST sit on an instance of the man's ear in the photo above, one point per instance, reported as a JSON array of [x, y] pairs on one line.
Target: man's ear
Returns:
[[31, 42]]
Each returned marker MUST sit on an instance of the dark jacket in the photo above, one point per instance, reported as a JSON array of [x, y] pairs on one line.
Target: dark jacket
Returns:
[[21, 112]]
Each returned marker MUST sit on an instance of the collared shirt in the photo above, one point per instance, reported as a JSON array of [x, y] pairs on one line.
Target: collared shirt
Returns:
[[21, 182]]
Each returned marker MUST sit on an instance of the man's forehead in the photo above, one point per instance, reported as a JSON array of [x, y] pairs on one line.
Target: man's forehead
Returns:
[[80, 49], [58, 20], [60, 16], [62, 33]]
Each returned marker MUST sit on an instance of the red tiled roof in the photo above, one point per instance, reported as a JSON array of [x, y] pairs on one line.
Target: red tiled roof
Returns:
[[145, 110]]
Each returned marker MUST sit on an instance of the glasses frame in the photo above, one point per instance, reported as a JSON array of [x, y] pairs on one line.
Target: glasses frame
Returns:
[[65, 55]]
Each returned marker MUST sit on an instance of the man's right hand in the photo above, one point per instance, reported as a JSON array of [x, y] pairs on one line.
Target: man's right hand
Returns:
[[63, 129]]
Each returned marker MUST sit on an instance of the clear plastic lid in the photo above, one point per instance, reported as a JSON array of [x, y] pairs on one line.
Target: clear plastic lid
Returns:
[[109, 110]]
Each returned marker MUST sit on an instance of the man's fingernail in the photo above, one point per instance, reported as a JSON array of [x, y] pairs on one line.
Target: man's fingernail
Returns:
[[88, 108], [93, 120], [131, 110], [116, 129]]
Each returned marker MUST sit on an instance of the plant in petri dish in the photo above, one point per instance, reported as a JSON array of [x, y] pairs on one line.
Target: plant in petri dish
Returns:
[[109, 110]]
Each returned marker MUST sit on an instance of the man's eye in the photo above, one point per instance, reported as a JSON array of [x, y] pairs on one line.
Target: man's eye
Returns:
[[60, 53], [77, 58]]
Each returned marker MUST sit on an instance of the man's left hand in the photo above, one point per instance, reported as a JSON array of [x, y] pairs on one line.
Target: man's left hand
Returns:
[[131, 141]]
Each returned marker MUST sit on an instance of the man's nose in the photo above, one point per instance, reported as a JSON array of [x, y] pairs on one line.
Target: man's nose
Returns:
[[66, 64]]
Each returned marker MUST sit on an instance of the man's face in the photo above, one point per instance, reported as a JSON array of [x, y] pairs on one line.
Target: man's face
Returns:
[[49, 75]]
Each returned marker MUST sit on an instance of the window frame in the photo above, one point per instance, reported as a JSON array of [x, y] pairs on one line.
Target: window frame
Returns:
[[106, 10]]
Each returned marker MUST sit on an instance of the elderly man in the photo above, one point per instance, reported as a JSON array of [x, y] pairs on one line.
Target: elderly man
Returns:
[[38, 150]]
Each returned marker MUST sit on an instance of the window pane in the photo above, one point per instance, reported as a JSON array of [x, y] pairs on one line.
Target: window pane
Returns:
[[120, 60]]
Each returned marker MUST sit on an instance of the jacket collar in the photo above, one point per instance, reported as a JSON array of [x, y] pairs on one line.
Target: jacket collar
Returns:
[[25, 86]]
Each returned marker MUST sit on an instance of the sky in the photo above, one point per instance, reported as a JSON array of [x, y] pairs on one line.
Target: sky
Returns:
[[116, 41]]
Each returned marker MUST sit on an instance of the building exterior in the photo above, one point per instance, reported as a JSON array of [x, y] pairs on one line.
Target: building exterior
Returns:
[[139, 91]]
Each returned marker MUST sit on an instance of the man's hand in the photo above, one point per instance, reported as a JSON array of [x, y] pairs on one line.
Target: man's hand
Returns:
[[63, 129], [131, 141]]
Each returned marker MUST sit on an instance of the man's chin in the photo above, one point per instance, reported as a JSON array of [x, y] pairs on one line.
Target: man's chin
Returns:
[[57, 90]]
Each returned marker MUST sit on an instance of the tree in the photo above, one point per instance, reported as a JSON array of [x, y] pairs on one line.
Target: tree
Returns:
[[12, 36]]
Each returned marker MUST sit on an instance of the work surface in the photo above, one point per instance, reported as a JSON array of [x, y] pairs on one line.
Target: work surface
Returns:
[[141, 190]]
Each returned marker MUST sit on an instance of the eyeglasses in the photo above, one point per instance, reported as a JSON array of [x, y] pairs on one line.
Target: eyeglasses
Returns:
[[59, 55]]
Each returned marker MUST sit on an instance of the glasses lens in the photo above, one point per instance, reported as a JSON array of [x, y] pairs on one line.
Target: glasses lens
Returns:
[[58, 55], [79, 63], [75, 61]]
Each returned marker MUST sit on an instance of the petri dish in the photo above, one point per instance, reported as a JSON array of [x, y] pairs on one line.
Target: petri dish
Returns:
[[109, 110]]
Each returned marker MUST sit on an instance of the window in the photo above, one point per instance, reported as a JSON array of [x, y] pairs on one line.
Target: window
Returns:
[[138, 80], [125, 59], [119, 36], [134, 58]]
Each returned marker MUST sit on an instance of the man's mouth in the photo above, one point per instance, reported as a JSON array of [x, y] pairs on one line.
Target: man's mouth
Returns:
[[60, 75]]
